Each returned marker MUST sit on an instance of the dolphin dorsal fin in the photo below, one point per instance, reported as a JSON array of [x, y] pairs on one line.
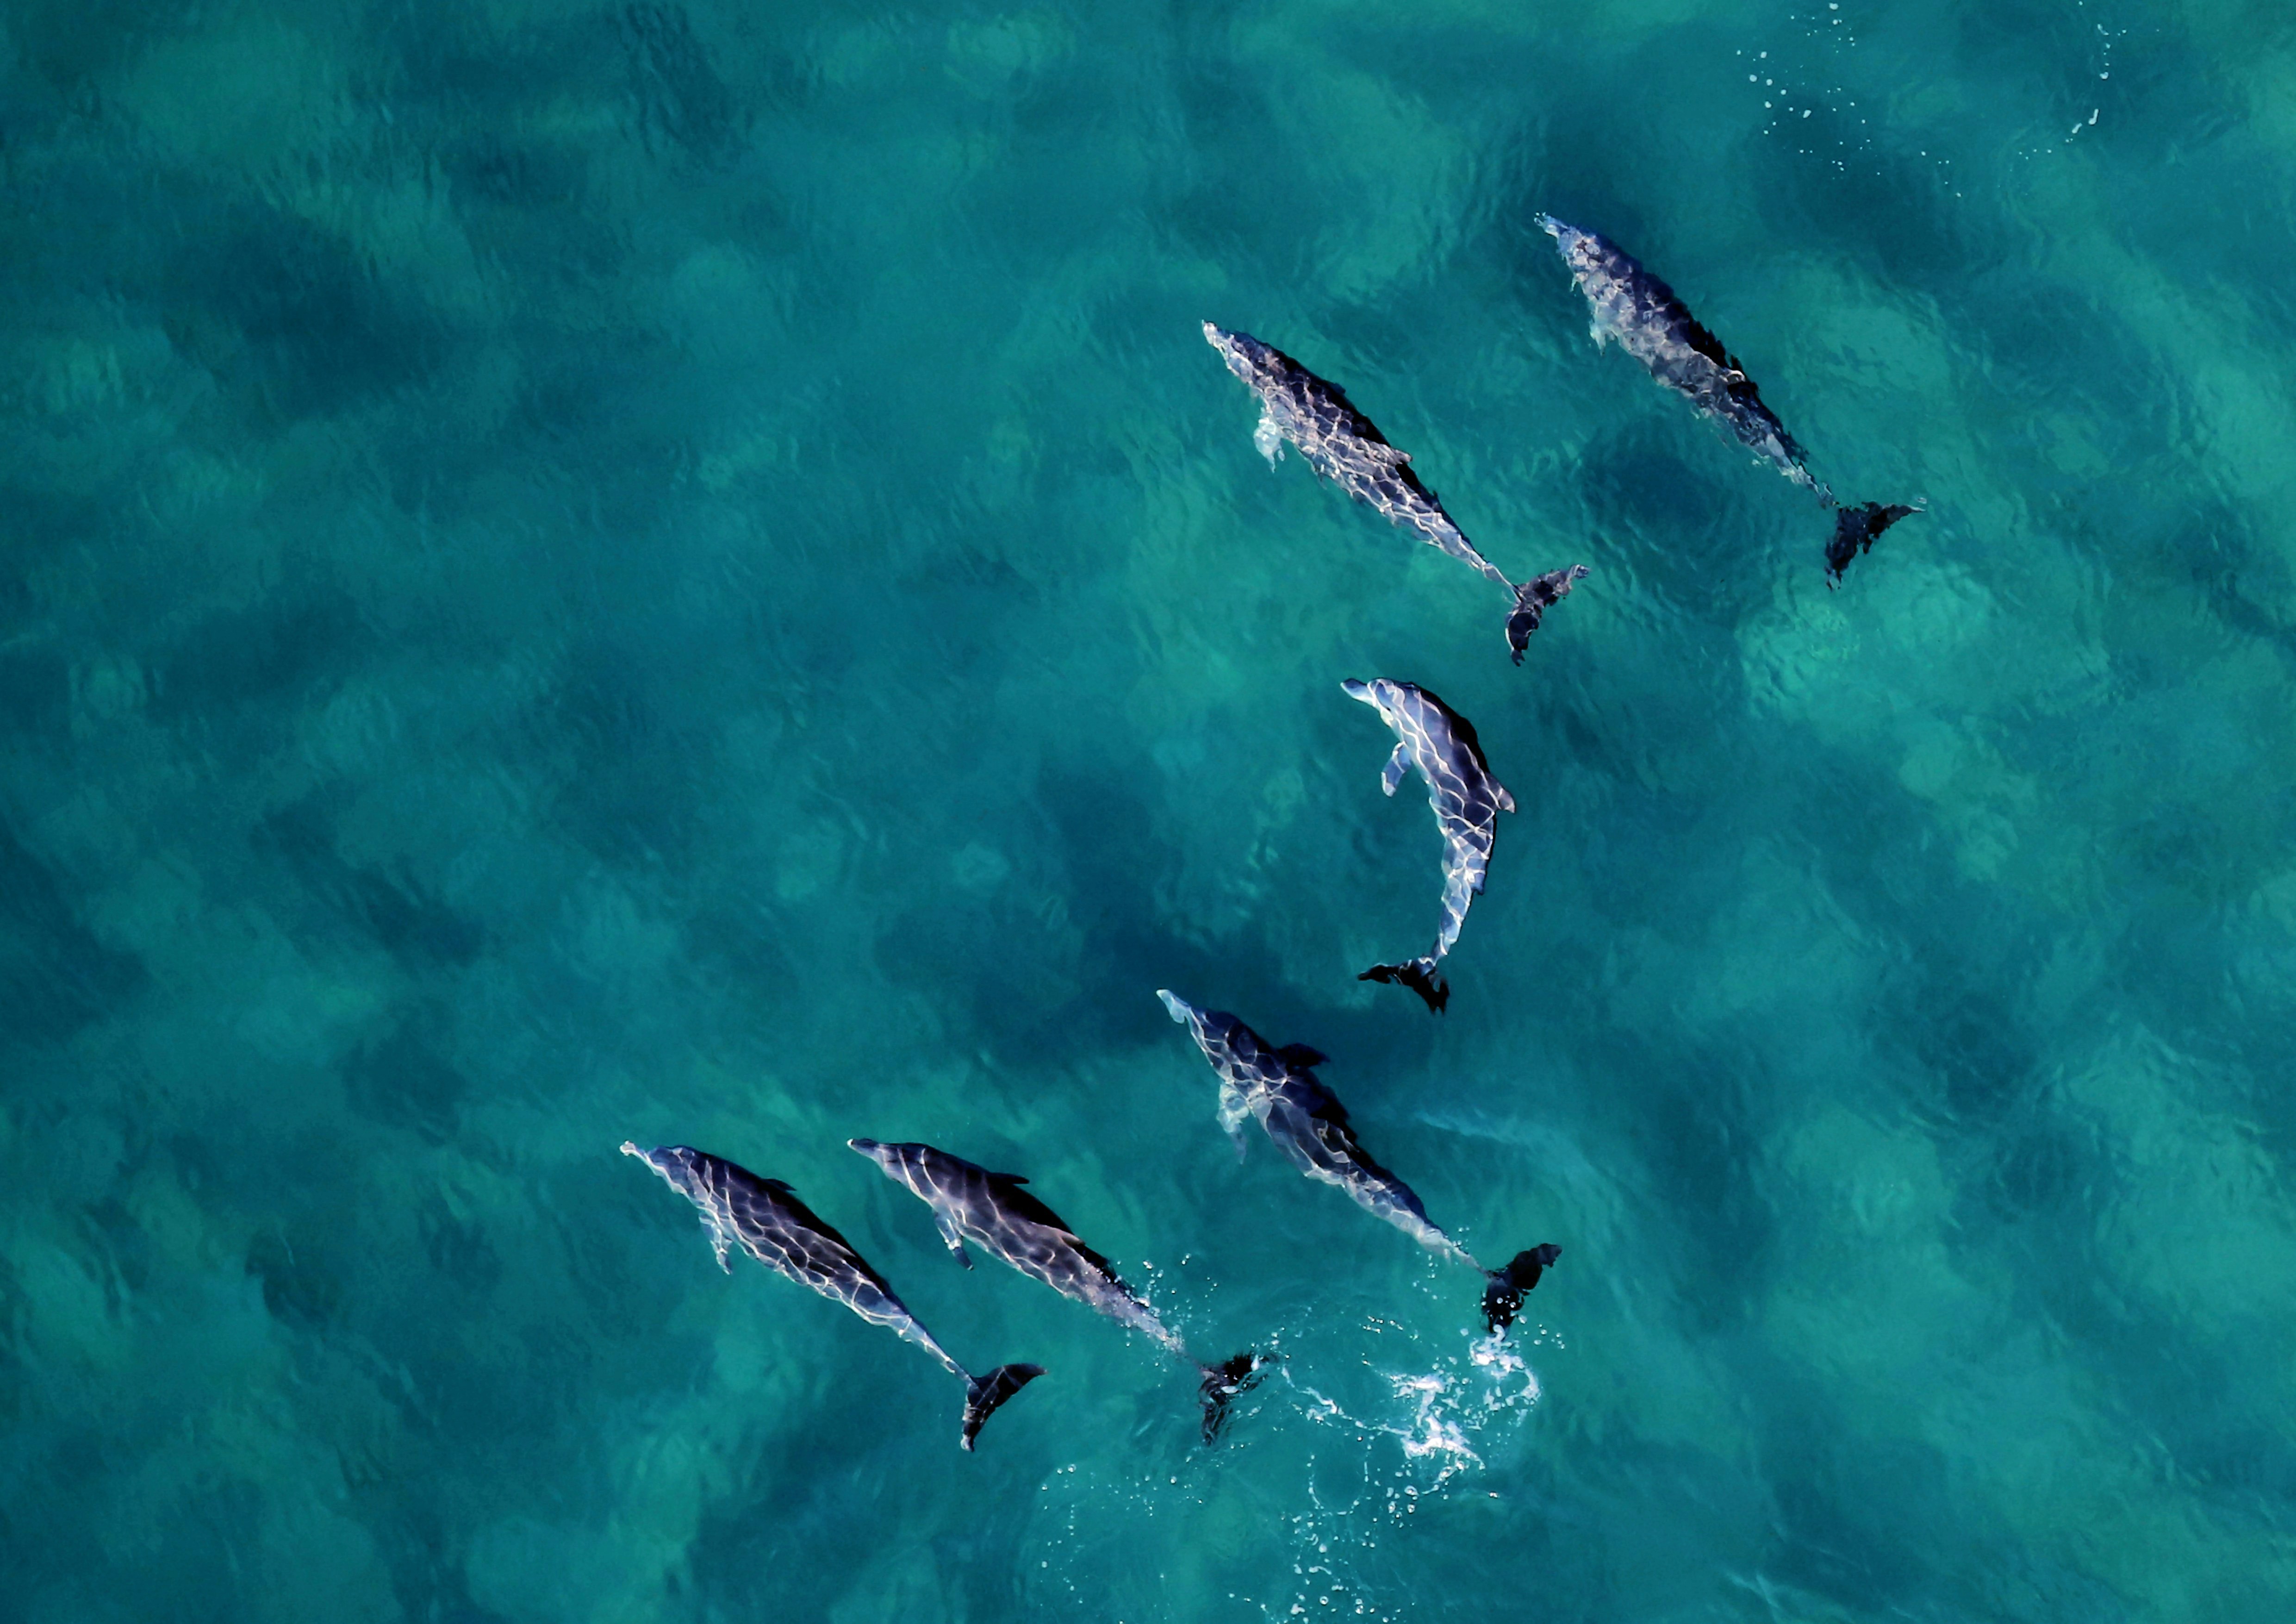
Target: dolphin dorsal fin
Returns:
[[1302, 1054]]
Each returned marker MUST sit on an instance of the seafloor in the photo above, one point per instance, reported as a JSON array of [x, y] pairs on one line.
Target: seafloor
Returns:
[[578, 572]]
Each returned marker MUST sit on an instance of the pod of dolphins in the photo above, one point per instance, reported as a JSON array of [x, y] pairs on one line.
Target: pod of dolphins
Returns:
[[1278, 1087]]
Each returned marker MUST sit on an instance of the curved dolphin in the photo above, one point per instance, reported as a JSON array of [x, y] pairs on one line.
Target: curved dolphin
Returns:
[[765, 1218], [1307, 1123], [1340, 445], [971, 1203], [1441, 745]]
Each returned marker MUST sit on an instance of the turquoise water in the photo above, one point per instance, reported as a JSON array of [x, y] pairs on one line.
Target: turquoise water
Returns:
[[577, 574]]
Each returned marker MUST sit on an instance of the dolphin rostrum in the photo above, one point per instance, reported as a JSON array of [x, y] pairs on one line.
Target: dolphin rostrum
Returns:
[[765, 1218], [1340, 445], [1650, 324], [1307, 1123], [971, 1203], [1441, 744]]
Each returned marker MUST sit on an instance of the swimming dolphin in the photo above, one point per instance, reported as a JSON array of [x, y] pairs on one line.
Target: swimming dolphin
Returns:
[[1441, 744], [1855, 531], [1650, 324], [766, 1219], [1654, 327], [1340, 445], [1307, 1123], [971, 1203]]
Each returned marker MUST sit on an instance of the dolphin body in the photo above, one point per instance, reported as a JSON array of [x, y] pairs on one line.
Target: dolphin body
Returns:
[[1340, 445], [1307, 1123], [765, 1218], [1441, 744], [1656, 328], [971, 1203], [1650, 324]]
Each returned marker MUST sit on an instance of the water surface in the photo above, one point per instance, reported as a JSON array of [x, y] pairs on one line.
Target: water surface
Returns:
[[686, 573]]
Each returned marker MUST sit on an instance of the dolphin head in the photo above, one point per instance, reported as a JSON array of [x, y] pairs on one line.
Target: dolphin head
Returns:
[[1246, 356], [896, 1161], [674, 1162], [1580, 250], [1379, 693], [1182, 1011]]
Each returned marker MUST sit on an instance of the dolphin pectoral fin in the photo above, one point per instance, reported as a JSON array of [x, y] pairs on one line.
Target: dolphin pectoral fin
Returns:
[[1268, 437], [1503, 1287], [1302, 1055], [1231, 1114], [983, 1394], [952, 1237], [1399, 762]]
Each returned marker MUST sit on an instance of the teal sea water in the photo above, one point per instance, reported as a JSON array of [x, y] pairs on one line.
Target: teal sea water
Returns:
[[582, 571]]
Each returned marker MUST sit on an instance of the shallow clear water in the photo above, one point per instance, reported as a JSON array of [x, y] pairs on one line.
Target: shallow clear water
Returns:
[[584, 573]]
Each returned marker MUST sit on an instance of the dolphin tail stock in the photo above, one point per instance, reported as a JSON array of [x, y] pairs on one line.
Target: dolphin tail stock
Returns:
[[1502, 1288], [1222, 1382], [1420, 974], [1532, 600], [984, 1394]]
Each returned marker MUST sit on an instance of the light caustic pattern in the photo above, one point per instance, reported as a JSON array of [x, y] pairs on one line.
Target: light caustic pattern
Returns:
[[681, 570]]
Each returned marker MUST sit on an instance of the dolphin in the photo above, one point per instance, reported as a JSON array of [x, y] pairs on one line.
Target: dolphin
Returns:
[[1656, 328], [766, 1219], [1650, 324], [1855, 531], [1441, 744], [1307, 1123], [971, 1203], [1340, 445]]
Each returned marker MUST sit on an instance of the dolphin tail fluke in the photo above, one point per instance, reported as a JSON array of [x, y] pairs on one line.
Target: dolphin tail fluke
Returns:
[[1419, 975], [1222, 1382], [1504, 1288], [983, 1394], [1856, 530], [1532, 601]]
